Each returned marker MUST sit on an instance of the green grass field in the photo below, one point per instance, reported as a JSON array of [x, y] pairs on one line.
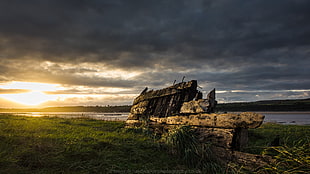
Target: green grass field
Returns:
[[289, 135], [59, 145]]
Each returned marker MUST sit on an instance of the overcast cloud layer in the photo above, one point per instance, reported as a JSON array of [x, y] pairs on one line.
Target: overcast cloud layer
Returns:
[[247, 50]]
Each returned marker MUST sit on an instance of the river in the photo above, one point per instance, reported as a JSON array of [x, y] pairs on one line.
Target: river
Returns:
[[121, 116], [289, 118], [293, 118]]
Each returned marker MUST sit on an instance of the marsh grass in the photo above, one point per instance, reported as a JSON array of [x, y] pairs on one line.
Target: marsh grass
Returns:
[[291, 155], [58, 145], [288, 135], [289, 159]]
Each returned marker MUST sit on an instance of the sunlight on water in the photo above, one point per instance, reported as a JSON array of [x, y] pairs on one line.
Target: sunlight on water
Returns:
[[92, 115]]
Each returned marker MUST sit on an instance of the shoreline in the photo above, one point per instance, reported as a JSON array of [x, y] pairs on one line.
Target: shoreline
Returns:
[[284, 118]]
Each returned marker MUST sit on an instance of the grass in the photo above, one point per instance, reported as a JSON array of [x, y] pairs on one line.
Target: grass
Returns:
[[289, 160], [291, 150], [184, 143], [288, 135], [58, 145]]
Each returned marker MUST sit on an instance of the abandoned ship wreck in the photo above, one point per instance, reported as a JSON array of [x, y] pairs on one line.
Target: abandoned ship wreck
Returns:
[[182, 104]]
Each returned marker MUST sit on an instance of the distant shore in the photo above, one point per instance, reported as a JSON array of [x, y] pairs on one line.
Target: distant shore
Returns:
[[267, 106], [297, 105]]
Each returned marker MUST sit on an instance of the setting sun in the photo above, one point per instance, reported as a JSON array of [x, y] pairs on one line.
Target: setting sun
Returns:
[[33, 97]]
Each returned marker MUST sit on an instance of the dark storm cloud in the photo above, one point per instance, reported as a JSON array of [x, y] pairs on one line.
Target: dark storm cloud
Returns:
[[200, 30], [231, 44]]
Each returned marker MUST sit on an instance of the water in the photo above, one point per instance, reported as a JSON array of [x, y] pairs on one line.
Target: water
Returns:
[[290, 118], [121, 116], [293, 118]]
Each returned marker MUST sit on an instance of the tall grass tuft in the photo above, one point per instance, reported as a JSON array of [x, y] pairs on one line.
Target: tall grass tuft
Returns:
[[185, 144], [289, 159]]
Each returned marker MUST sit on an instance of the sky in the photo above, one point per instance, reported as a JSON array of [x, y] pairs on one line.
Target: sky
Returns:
[[105, 52]]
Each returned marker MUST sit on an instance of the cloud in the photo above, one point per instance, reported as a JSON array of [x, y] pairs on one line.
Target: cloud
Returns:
[[254, 45], [13, 91], [92, 100], [126, 32], [257, 95], [83, 90], [10, 104]]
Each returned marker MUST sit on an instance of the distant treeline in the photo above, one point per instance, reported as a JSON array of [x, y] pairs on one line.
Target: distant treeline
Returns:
[[267, 105]]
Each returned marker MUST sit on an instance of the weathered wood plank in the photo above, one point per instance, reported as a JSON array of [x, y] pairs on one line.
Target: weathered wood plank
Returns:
[[228, 121]]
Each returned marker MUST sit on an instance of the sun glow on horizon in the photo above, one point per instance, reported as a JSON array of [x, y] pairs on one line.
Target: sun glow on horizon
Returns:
[[34, 97], [30, 94]]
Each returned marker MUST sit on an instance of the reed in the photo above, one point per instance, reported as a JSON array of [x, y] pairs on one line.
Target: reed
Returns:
[[289, 159], [291, 152]]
